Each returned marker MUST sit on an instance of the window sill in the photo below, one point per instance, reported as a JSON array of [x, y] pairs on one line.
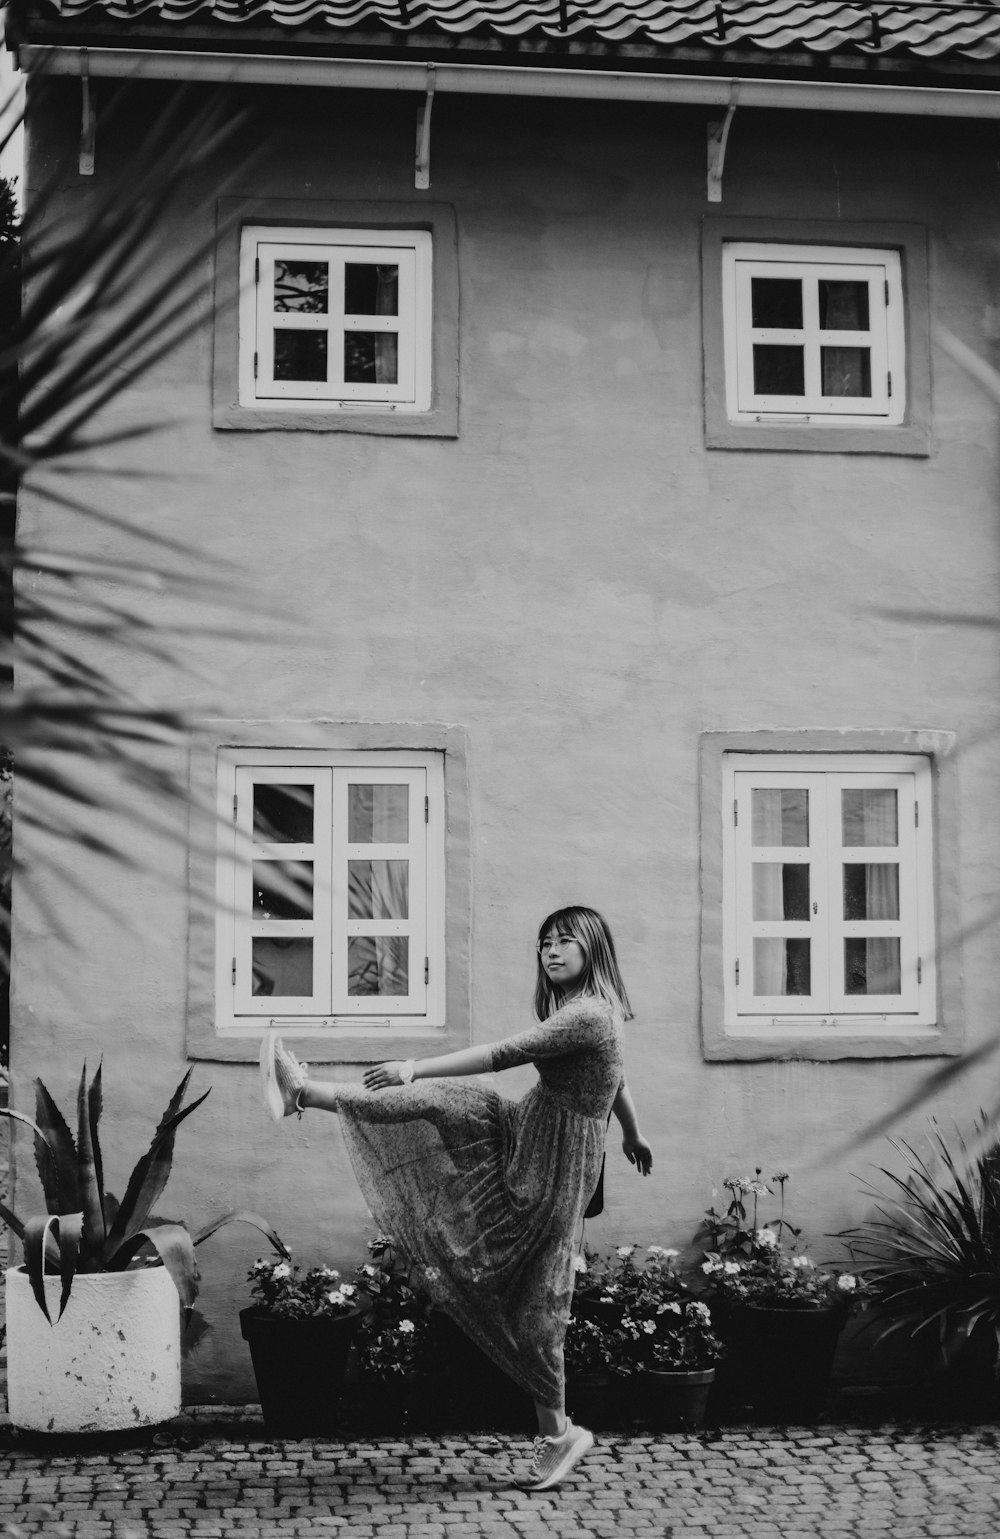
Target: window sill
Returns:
[[839, 1039], [909, 438], [439, 422], [352, 1042]]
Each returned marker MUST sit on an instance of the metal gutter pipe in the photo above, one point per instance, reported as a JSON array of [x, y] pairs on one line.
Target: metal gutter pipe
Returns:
[[507, 80]]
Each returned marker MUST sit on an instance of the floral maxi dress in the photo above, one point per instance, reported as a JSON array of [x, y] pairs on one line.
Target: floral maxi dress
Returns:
[[486, 1194]]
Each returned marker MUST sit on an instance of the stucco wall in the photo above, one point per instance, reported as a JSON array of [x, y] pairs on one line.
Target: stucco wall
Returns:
[[585, 589]]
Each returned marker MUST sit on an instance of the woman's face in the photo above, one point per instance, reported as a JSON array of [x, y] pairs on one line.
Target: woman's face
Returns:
[[563, 959]]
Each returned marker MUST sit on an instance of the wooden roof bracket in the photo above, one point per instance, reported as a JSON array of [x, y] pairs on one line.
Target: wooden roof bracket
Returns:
[[718, 138], [88, 121], [422, 174]]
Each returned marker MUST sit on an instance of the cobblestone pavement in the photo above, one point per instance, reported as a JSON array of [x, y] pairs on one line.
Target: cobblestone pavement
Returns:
[[205, 1479]]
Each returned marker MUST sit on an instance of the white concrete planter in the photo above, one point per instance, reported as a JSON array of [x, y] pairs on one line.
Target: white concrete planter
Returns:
[[111, 1363]]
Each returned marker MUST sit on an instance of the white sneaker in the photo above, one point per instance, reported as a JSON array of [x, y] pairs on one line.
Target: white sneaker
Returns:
[[282, 1076], [554, 1457]]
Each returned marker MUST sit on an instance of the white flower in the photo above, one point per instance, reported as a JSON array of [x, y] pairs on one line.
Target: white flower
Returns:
[[674, 1309], [624, 1252], [431, 1273], [336, 1296], [579, 1263], [348, 1290], [649, 1326], [803, 1262], [846, 1283], [328, 1271], [731, 1268], [407, 1327], [700, 1312], [767, 1238], [710, 1266], [369, 1270], [282, 1270]]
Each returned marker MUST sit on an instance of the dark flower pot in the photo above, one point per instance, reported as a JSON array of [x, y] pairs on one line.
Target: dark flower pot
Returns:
[[299, 1367], [779, 1361], [676, 1400], [592, 1400]]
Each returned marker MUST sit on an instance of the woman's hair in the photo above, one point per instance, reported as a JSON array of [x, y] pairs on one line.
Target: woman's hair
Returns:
[[600, 977]]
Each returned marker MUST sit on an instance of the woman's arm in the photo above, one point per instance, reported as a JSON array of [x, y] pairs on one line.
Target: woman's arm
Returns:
[[467, 1060], [637, 1151]]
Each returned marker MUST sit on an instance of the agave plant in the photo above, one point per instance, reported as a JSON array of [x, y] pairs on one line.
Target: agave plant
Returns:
[[932, 1254], [85, 1228]]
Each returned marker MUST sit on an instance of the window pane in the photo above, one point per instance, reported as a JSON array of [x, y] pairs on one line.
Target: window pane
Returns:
[[776, 302], [282, 967], [378, 814], [871, 965], [778, 370], [283, 814], [846, 371], [378, 964], [371, 289], [300, 355], [378, 889], [780, 891], [370, 357], [282, 889], [301, 286], [780, 817], [843, 304], [871, 892], [781, 966], [869, 818]]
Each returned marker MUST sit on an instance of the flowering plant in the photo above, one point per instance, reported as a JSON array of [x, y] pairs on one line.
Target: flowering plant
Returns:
[[396, 1339], [285, 1290], [589, 1346], [766, 1263], [661, 1323]]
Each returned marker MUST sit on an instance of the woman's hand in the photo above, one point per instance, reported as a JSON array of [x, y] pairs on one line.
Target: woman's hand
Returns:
[[638, 1153], [381, 1075]]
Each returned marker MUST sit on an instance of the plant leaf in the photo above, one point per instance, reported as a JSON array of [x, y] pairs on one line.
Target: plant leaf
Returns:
[[241, 1216], [70, 1234], [55, 1155], [152, 1172], [174, 1247], [90, 1194]]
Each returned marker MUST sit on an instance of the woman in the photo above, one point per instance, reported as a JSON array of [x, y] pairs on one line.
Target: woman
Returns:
[[487, 1195]]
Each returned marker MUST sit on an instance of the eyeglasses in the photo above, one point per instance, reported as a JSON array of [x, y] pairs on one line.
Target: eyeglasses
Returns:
[[555, 942]]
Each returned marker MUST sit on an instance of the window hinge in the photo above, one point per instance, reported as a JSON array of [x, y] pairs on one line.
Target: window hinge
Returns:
[[736, 814], [737, 969], [919, 970], [256, 271], [889, 383], [887, 291], [255, 365], [236, 801], [427, 970], [427, 809], [234, 972], [916, 814]]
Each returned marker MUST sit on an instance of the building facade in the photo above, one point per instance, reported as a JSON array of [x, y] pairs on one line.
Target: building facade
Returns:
[[587, 394]]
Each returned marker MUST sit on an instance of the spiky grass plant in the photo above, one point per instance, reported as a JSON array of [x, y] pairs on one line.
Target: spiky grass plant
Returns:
[[85, 1228], [932, 1254], [104, 304]]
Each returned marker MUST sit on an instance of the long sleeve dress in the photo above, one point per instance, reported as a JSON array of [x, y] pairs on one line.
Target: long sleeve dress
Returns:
[[486, 1194]]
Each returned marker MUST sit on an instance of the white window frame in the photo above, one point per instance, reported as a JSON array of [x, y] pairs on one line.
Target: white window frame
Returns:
[[826, 775], [410, 250], [880, 268], [329, 772]]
